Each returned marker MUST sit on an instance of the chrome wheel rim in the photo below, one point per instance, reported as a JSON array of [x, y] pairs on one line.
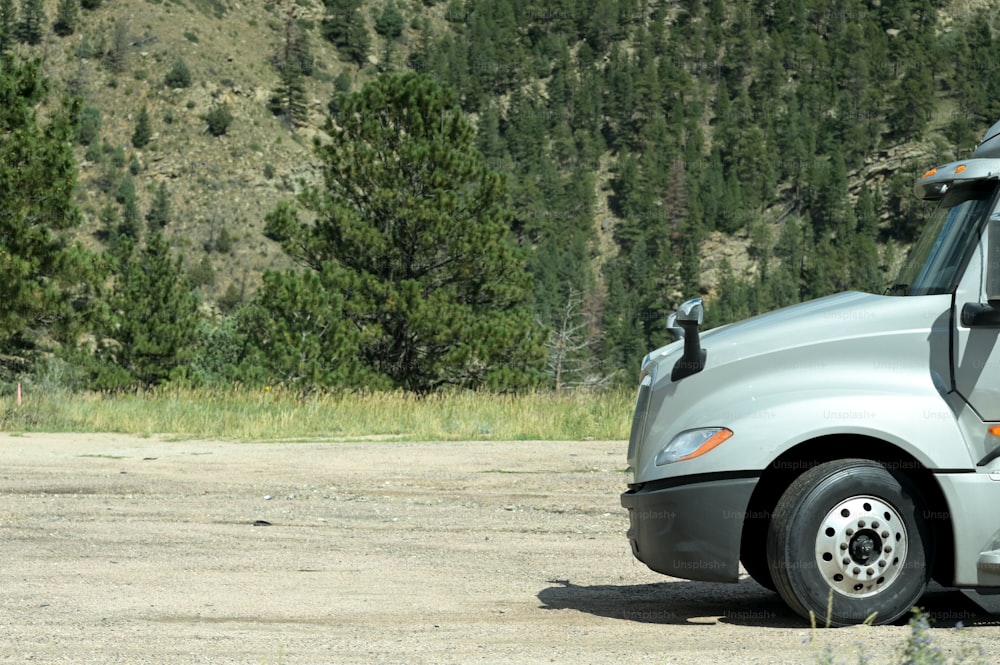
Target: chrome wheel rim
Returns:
[[861, 546]]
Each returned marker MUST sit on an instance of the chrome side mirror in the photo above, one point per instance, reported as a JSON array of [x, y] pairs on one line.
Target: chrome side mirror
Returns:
[[689, 317]]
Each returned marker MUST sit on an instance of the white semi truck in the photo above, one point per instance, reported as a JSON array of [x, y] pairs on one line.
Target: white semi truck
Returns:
[[846, 450]]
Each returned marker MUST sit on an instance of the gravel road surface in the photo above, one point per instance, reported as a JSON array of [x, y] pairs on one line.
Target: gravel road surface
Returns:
[[117, 549]]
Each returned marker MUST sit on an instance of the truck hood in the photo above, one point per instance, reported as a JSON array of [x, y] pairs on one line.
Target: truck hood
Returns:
[[817, 327]]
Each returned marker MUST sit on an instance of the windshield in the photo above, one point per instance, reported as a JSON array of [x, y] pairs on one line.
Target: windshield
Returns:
[[934, 262]]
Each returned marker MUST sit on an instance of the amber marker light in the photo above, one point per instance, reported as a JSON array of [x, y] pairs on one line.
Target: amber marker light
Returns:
[[959, 168], [930, 173], [993, 430], [716, 440]]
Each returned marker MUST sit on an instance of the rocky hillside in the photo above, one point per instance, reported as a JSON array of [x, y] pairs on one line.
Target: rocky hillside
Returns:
[[217, 184], [654, 148]]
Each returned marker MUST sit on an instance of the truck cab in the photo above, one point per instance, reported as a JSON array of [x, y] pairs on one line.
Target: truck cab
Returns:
[[845, 450]]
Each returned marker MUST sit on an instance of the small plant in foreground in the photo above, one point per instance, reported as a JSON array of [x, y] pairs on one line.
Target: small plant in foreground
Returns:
[[918, 649]]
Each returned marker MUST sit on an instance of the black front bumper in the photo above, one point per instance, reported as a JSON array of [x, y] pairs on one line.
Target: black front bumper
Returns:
[[691, 531]]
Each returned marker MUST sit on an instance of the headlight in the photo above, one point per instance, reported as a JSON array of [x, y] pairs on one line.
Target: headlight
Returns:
[[692, 443]]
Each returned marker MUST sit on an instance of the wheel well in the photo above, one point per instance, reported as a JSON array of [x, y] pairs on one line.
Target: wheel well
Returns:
[[776, 478]]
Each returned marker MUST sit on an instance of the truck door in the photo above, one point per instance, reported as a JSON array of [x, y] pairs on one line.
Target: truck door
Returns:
[[976, 327]]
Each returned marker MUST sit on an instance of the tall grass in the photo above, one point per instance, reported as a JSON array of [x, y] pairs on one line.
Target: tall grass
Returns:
[[271, 415]]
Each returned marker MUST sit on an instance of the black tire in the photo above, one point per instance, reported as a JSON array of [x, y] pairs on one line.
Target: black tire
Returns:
[[848, 540], [754, 551]]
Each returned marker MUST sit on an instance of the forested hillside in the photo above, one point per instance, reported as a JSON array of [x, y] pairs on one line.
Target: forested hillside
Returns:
[[758, 153]]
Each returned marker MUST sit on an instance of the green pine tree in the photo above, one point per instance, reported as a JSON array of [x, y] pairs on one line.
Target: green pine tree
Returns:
[[157, 346], [159, 213], [345, 28], [67, 16], [87, 129], [130, 227], [300, 335], [390, 21], [31, 28], [294, 63], [412, 228], [8, 25], [143, 129], [116, 58], [43, 276], [110, 232]]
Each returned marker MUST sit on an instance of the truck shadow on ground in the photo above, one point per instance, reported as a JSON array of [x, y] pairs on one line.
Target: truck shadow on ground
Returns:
[[744, 604]]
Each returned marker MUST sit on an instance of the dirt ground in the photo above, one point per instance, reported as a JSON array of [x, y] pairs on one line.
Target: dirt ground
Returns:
[[119, 549]]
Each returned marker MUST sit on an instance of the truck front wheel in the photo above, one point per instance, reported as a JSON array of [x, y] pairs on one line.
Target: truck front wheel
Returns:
[[848, 543]]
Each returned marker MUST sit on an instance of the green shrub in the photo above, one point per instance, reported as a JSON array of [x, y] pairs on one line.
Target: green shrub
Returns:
[[179, 76], [219, 118]]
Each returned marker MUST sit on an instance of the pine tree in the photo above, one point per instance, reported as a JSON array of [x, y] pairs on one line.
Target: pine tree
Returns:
[[117, 56], [8, 25], [158, 345], [602, 25], [31, 28], [67, 15], [412, 227], [42, 274], [300, 335], [130, 227], [390, 21], [455, 12], [345, 28], [111, 232], [158, 215], [87, 129], [289, 100], [143, 129], [292, 61], [496, 57], [912, 105]]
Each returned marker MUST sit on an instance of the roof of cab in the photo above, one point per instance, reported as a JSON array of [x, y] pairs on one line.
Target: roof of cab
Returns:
[[937, 181], [984, 163]]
